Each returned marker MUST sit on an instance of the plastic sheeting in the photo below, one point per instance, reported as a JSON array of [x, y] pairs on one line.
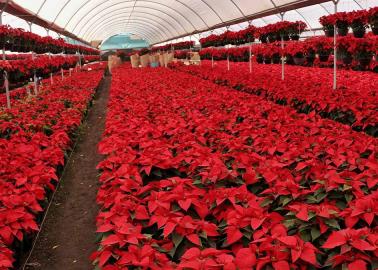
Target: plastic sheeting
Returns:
[[160, 20]]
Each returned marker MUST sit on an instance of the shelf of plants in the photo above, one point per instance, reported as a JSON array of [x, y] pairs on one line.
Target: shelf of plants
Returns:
[[194, 180], [35, 134], [356, 50]]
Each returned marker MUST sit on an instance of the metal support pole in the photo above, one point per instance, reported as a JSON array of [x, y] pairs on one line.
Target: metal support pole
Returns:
[[35, 79], [228, 61], [62, 73], [212, 60], [282, 51], [51, 79], [335, 2], [250, 57], [7, 93]]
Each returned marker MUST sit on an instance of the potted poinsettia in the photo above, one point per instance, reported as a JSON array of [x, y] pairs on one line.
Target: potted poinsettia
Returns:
[[358, 20], [309, 52], [328, 23], [258, 50], [296, 50], [323, 47], [342, 24], [363, 51], [373, 19], [343, 44], [296, 29]]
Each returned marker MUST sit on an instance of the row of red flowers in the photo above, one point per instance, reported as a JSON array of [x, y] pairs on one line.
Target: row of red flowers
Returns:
[[34, 136], [205, 177], [357, 52], [21, 70], [20, 56], [270, 32], [184, 45], [354, 103], [19, 40], [357, 20]]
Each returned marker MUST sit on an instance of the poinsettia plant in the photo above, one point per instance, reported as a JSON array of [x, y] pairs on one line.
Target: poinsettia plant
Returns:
[[207, 182]]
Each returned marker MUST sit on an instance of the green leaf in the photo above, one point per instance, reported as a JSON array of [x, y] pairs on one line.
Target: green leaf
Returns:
[[203, 234], [315, 233], [289, 223], [266, 202], [285, 200], [177, 239], [305, 236], [332, 223]]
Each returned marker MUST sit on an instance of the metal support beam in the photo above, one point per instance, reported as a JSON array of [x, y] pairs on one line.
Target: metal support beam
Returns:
[[282, 51], [335, 2]]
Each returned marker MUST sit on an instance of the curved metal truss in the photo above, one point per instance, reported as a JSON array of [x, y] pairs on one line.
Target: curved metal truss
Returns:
[[163, 20]]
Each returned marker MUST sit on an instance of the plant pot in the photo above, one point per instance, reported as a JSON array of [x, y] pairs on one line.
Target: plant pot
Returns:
[[263, 39], [323, 57], [347, 58], [276, 59], [267, 60], [294, 37], [286, 37], [272, 38], [310, 58], [299, 61], [359, 30], [289, 60], [364, 61], [374, 28], [259, 59], [328, 30], [342, 31]]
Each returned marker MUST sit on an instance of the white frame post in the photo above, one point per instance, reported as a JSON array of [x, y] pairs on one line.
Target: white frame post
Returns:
[[282, 51], [335, 2], [7, 93]]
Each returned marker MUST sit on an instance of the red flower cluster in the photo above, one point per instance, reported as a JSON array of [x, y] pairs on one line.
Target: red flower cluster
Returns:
[[354, 52], [357, 20], [181, 54], [205, 177], [184, 45], [18, 40], [34, 135], [354, 103], [21, 70], [235, 54], [283, 29], [241, 37]]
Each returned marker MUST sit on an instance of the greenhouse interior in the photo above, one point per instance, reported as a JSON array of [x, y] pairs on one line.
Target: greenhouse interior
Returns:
[[189, 134]]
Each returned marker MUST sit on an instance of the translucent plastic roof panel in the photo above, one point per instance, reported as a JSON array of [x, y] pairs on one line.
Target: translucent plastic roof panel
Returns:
[[161, 20]]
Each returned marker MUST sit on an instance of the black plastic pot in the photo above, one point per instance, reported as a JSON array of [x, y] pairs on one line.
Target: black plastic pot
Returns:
[[259, 59], [276, 59], [299, 60], [289, 60], [359, 30], [294, 37], [347, 58], [374, 28], [323, 57], [310, 58], [263, 39], [267, 60], [272, 38], [342, 31], [364, 61], [328, 30]]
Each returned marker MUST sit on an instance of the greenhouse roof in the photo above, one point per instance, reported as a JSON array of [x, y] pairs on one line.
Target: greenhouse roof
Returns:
[[161, 20]]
